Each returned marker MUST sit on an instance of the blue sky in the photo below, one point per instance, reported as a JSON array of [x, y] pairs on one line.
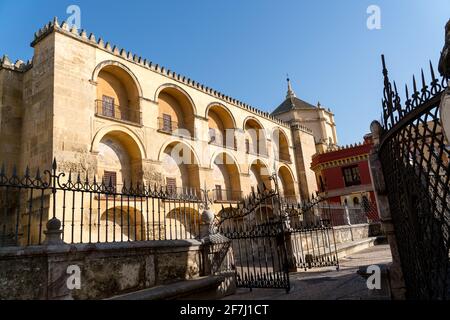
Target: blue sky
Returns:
[[245, 48]]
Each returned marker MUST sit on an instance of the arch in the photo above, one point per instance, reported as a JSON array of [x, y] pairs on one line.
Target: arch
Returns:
[[175, 141], [291, 172], [221, 123], [263, 161], [253, 119], [256, 140], [226, 178], [229, 154], [124, 132], [288, 182], [281, 145], [184, 224], [180, 90], [120, 65], [122, 224], [180, 167], [257, 175], [225, 108]]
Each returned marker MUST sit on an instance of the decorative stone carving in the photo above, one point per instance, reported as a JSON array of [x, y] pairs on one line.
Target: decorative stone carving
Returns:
[[152, 176]]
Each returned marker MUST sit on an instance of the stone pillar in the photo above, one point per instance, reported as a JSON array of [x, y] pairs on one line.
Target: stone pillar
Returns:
[[53, 235], [206, 231], [217, 254], [397, 282]]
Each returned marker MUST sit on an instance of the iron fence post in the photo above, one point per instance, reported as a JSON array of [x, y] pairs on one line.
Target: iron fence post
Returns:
[[347, 215], [396, 278]]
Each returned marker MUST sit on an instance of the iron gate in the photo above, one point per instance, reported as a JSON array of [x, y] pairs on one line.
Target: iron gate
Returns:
[[310, 235], [414, 154], [270, 238], [257, 231]]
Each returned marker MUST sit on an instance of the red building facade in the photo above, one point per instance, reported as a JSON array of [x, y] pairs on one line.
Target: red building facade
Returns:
[[343, 175]]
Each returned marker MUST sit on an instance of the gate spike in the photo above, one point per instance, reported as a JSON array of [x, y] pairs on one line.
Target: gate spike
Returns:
[[54, 165], [14, 173], [27, 172], [78, 177], [432, 71], [407, 92], [2, 172], [415, 84], [424, 85]]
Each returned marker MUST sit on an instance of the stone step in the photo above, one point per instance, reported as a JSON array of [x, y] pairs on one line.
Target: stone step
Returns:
[[343, 250], [347, 248], [200, 288]]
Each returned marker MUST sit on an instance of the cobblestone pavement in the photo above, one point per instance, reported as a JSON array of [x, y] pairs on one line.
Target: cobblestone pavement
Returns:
[[329, 283]]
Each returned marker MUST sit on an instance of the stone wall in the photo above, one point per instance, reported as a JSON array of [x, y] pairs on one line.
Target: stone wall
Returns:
[[106, 269], [351, 233]]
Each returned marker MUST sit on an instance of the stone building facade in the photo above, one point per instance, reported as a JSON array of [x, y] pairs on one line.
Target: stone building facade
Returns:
[[108, 113]]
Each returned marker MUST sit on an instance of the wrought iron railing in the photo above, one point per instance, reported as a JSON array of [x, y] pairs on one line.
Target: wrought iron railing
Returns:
[[167, 126], [414, 156], [223, 195], [255, 149], [117, 112], [336, 214], [92, 211], [218, 139]]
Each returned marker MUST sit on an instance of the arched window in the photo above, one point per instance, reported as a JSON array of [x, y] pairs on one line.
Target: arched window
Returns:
[[221, 127], [255, 139], [117, 95], [227, 185], [176, 113], [281, 146]]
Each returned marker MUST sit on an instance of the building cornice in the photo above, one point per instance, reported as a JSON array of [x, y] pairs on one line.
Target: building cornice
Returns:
[[82, 36], [340, 162]]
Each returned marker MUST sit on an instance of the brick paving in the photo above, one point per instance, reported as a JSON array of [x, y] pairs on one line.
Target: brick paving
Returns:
[[329, 283]]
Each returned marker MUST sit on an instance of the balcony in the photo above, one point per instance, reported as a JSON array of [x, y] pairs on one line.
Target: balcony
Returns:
[[182, 193], [216, 138], [251, 149], [226, 196], [116, 112], [284, 157], [167, 126]]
